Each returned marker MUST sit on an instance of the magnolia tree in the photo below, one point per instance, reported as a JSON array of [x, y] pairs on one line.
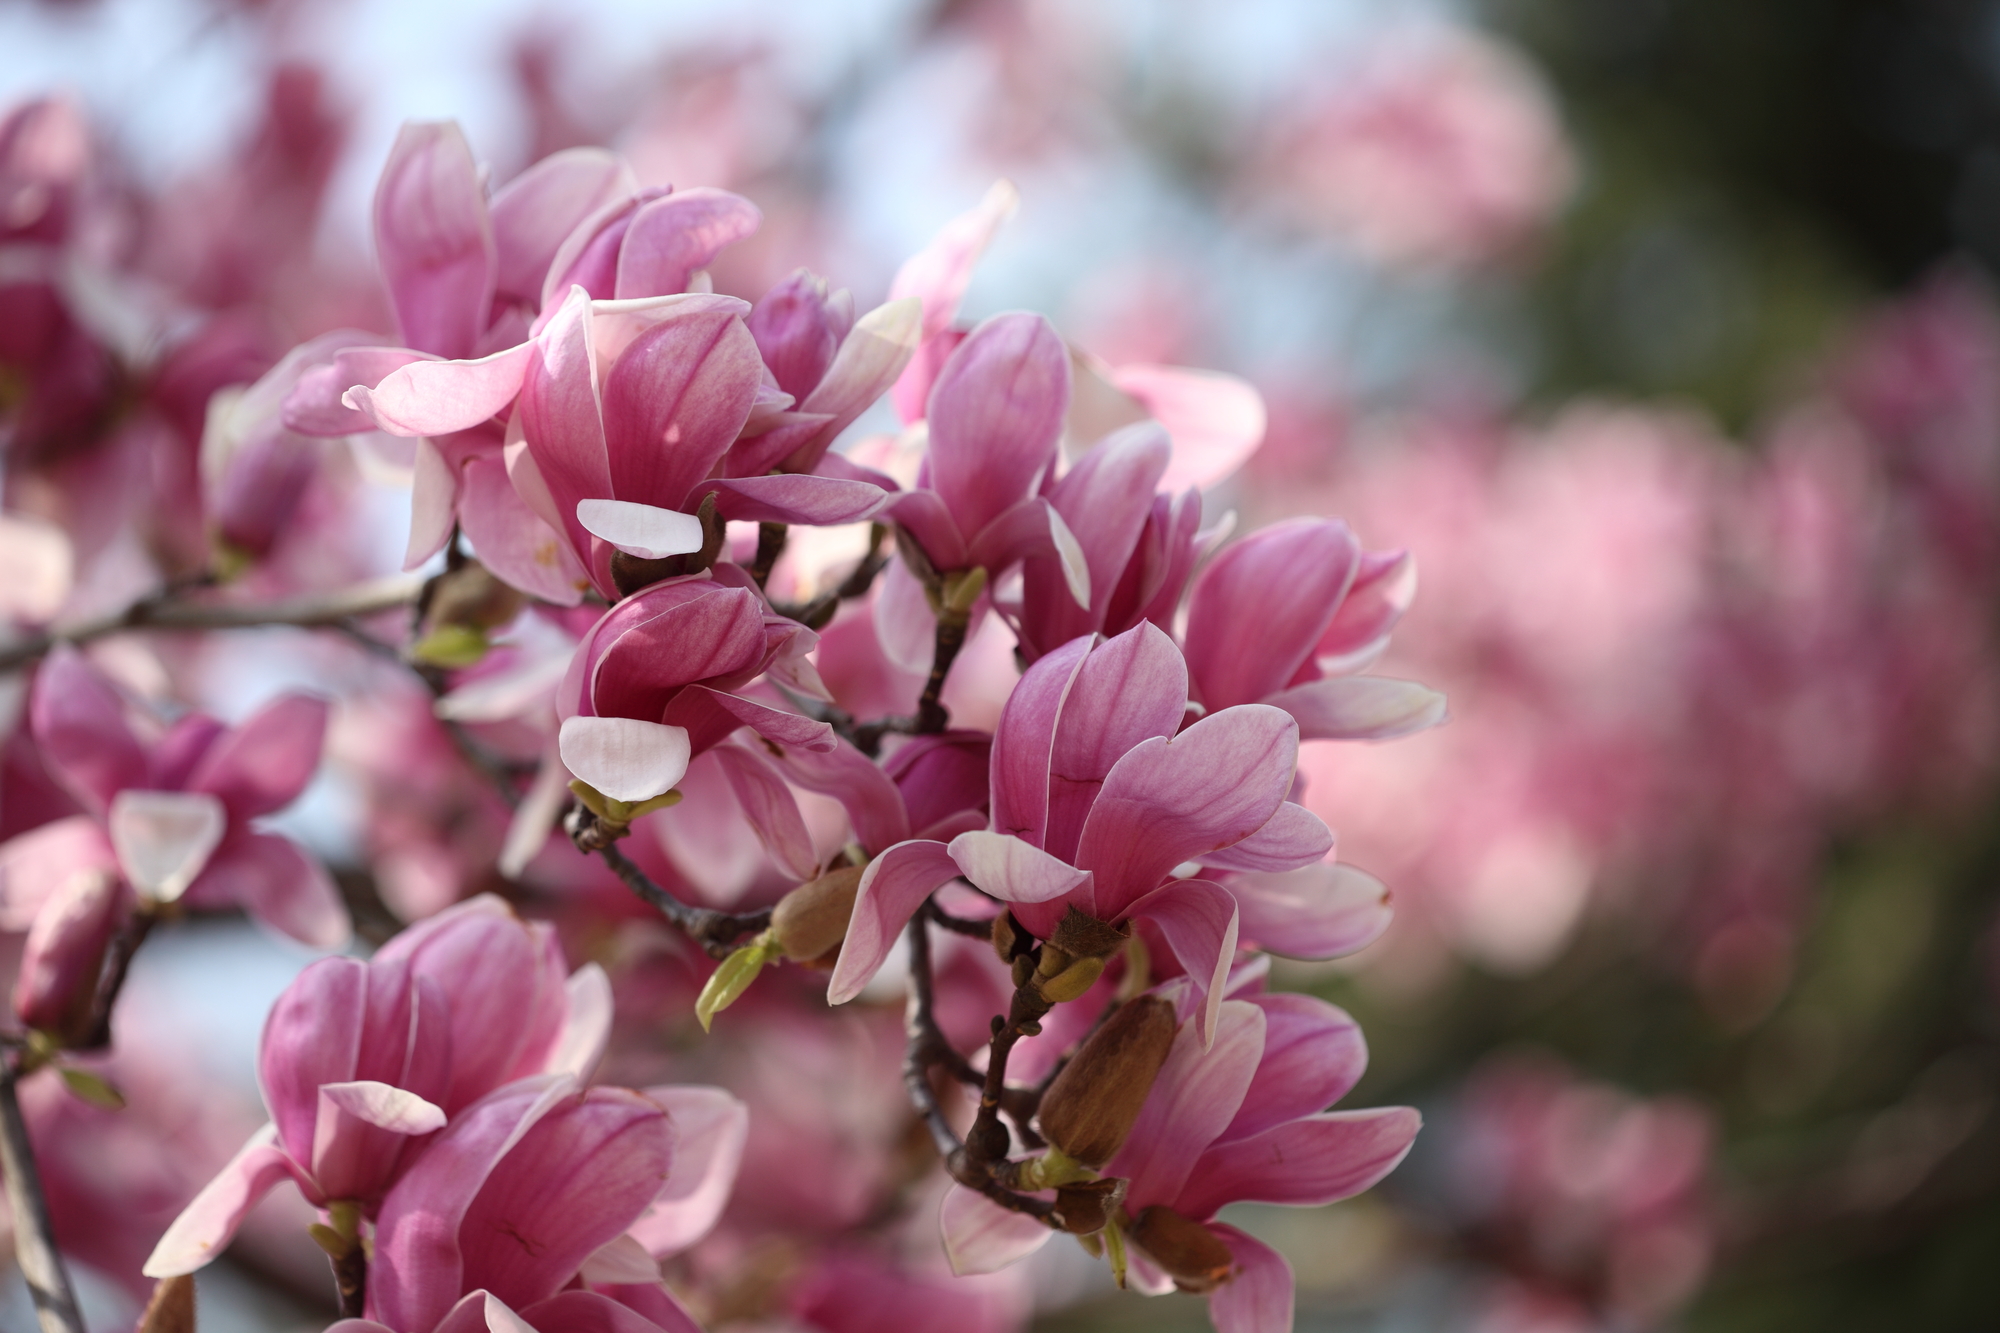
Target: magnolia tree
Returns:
[[995, 715]]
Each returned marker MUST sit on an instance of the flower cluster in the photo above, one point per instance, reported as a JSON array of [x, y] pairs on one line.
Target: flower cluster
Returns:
[[1026, 746]]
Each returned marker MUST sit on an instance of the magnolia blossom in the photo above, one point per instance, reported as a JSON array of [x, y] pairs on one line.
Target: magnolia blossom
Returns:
[[1239, 1119], [172, 815], [1099, 797]]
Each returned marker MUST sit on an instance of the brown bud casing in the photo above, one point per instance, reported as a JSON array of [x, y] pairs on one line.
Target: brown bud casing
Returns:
[[1085, 1207], [1082, 935], [811, 920], [1194, 1255], [1092, 1105]]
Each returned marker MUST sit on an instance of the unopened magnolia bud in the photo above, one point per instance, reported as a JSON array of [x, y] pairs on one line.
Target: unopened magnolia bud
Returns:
[[1194, 1255], [171, 1310], [472, 597], [56, 990], [1082, 935], [1070, 983], [1091, 1107], [811, 920]]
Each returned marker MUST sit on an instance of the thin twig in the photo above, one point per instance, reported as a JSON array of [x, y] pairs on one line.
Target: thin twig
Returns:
[[770, 545], [716, 932], [117, 963], [34, 1236], [819, 611], [962, 925], [932, 716], [169, 610]]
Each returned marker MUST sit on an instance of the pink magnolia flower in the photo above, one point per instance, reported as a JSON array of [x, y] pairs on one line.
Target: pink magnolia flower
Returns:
[[173, 817], [656, 684], [626, 415], [1098, 797], [360, 1062], [530, 1191], [56, 989], [1243, 1119], [1281, 615]]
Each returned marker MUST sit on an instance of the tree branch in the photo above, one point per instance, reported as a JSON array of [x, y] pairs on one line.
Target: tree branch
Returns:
[[168, 609], [770, 545], [819, 611], [716, 932], [34, 1236]]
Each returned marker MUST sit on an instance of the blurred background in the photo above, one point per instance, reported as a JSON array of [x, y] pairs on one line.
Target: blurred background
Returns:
[[1662, 331]]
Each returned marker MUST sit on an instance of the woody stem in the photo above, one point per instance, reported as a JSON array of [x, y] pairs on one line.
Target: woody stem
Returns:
[[716, 932], [34, 1235]]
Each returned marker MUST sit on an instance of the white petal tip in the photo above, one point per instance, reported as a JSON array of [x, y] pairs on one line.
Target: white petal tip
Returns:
[[625, 758], [645, 531]]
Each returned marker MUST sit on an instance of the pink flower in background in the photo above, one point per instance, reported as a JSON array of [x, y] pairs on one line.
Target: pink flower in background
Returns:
[[1441, 146], [172, 815]]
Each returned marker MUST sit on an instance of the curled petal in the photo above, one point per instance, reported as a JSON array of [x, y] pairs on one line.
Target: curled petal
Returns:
[[207, 1225], [995, 414], [710, 715], [1360, 708], [1216, 420], [1294, 837], [534, 213], [1317, 912], [1314, 1054], [586, 1026], [1383, 589], [78, 721], [711, 1128], [1258, 1296], [893, 887], [672, 237], [982, 1237], [395, 1109], [1198, 920], [1024, 743], [871, 356], [440, 397], [625, 758], [1258, 611], [1305, 1163], [1015, 871]]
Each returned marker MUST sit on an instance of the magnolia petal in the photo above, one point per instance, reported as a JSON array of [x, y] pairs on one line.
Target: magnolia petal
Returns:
[[535, 818], [1130, 690], [1167, 802], [672, 237], [440, 397], [164, 838], [893, 887], [513, 541], [1383, 589], [1031, 528], [1216, 420], [982, 1237], [280, 886], [586, 1026], [1258, 611], [1195, 1095], [434, 486], [1015, 871], [207, 1225], [1024, 743], [1199, 922], [397, 1110], [316, 404], [874, 806], [1294, 837], [711, 1128], [1360, 708], [676, 398], [433, 239], [78, 721], [536, 211], [1109, 495], [1305, 1163], [869, 360], [625, 758], [1318, 912], [263, 764], [905, 628], [770, 808], [645, 531], [621, 1259], [1258, 1296], [1314, 1054], [619, 1308], [35, 864], [815, 501], [710, 715], [995, 415]]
